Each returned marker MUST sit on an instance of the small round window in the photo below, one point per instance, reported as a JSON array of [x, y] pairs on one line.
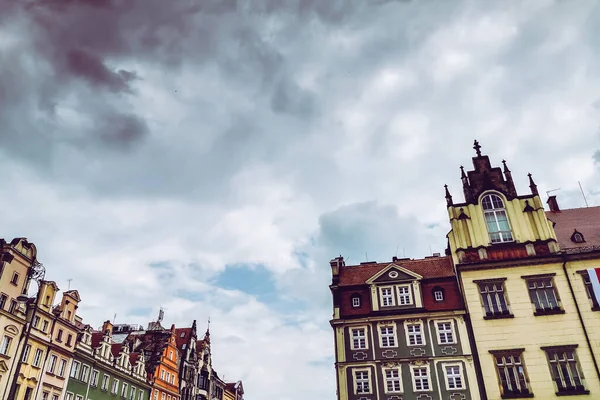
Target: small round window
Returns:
[[393, 274]]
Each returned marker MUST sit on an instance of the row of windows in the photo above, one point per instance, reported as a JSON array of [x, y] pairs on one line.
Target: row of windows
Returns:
[[81, 372], [37, 360], [542, 292], [420, 377], [414, 334], [402, 296], [164, 396], [167, 376], [562, 363], [13, 303]]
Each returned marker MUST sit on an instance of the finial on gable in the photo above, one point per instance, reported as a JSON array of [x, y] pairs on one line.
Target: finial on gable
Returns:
[[477, 148]]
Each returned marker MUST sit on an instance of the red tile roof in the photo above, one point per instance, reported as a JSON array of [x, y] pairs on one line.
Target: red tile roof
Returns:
[[133, 357], [431, 267], [96, 339], [180, 341], [115, 349], [585, 220]]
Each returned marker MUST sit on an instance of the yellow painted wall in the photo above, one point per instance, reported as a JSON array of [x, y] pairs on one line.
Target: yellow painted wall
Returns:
[[526, 330]]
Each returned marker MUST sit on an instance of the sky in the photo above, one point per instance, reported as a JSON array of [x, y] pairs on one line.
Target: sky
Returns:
[[210, 157]]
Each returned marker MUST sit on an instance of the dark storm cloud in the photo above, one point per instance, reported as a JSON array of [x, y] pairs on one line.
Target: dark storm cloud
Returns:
[[90, 67]]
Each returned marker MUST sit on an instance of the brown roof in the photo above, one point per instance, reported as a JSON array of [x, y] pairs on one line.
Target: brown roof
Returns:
[[133, 357], [96, 339], [585, 220], [431, 267], [180, 341]]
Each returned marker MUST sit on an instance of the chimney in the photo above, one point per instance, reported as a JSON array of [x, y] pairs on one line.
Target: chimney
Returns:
[[107, 326], [553, 204], [335, 264]]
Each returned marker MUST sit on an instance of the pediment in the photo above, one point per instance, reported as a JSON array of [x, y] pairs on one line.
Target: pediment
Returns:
[[394, 273], [12, 329]]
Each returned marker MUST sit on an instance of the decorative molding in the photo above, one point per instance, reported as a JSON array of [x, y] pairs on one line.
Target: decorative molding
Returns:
[[424, 397], [457, 396], [390, 353], [413, 321], [449, 350], [419, 363], [12, 329], [391, 364], [360, 356], [394, 398], [417, 352]]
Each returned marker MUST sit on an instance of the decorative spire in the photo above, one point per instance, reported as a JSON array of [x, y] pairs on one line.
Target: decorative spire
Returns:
[[532, 185], [477, 148], [505, 167], [462, 173], [448, 196]]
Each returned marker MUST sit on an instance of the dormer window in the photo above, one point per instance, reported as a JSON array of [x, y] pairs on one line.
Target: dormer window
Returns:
[[438, 294], [355, 301], [496, 219], [577, 237], [404, 296], [387, 297]]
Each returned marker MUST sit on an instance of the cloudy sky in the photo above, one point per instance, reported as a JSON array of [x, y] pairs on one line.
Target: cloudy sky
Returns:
[[210, 157]]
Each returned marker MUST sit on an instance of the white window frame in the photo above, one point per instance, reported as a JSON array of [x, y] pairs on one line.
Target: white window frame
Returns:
[[6, 343], [52, 360], [413, 378], [124, 390], [68, 396], [62, 367], [75, 367], [460, 372], [94, 378], [105, 382], [355, 301], [115, 386], [404, 295], [423, 339], [85, 373], [503, 235], [440, 297], [384, 370], [355, 382], [79, 397], [37, 360], [394, 335], [381, 297], [439, 332], [26, 353]]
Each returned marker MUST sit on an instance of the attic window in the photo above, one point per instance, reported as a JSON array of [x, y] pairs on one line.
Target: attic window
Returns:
[[438, 293], [182, 334], [355, 301], [393, 274], [577, 237]]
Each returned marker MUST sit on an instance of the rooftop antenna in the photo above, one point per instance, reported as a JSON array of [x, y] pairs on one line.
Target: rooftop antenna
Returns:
[[396, 254], [161, 314], [70, 279], [550, 191], [366, 256], [114, 318], [583, 194]]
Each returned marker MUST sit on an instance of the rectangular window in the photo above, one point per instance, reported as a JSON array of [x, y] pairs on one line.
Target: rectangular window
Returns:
[[393, 384], [493, 299], [356, 302], [362, 382], [511, 373], [565, 370], [414, 333], [5, 346], [168, 376], [37, 358], [54, 397], [388, 336], [36, 321], [15, 279], [75, 369], [61, 367], [69, 396], [164, 396], [3, 300], [387, 297], [115, 386], [420, 377], [140, 395], [69, 339], [105, 379], [94, 381], [445, 332], [85, 371], [51, 363], [404, 296], [46, 395], [13, 306], [79, 397], [543, 295], [439, 295], [590, 290], [124, 390], [132, 393], [162, 374], [454, 379], [26, 353], [44, 326], [59, 335]]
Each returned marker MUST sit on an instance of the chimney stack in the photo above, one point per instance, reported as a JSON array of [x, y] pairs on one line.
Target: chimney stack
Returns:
[[335, 264], [553, 204], [107, 326]]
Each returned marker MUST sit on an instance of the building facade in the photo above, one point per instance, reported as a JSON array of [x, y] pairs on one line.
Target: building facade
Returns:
[[234, 391], [400, 331], [186, 339], [526, 287]]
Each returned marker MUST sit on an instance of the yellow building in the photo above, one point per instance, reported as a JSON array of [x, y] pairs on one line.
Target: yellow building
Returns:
[[534, 326], [16, 259]]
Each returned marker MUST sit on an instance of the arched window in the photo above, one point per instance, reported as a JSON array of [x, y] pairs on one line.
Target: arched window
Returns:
[[577, 237], [496, 219]]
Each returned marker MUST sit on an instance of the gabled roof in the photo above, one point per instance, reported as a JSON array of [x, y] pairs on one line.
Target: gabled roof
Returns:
[[96, 339], [179, 340], [584, 220], [431, 267]]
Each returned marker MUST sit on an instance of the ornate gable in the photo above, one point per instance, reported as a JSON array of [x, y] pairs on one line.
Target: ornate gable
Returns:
[[393, 273]]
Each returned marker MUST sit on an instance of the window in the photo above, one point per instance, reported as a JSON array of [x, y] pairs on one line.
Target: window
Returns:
[[438, 295], [54, 397], [45, 395], [26, 352], [69, 339], [36, 321], [85, 371], [115, 386], [171, 355], [404, 296], [173, 379], [589, 289], [414, 334], [511, 373], [359, 338], [162, 374], [44, 326], [362, 381], [5, 346], [577, 237], [105, 379], [59, 335], [94, 381], [182, 334], [565, 370], [387, 297], [69, 396], [493, 299], [79, 397], [15, 279], [387, 336], [52, 364], [132, 393], [3, 299], [164, 396], [543, 295], [75, 369], [124, 390], [454, 379], [61, 367], [496, 219], [392, 380], [141, 395], [420, 377], [13, 306], [445, 332], [37, 358], [355, 301], [168, 376]]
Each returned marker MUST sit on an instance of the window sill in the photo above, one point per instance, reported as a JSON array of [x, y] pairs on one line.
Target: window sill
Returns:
[[552, 311], [574, 392], [498, 316], [523, 395]]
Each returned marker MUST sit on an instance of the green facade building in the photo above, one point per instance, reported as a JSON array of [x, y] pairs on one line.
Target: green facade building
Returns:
[[103, 369]]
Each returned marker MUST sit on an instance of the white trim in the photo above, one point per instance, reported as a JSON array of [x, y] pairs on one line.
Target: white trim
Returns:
[[369, 378], [357, 302], [391, 288], [406, 324], [435, 295], [396, 266], [460, 371], [410, 296], [412, 377], [385, 387], [452, 331], [365, 328], [394, 332]]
